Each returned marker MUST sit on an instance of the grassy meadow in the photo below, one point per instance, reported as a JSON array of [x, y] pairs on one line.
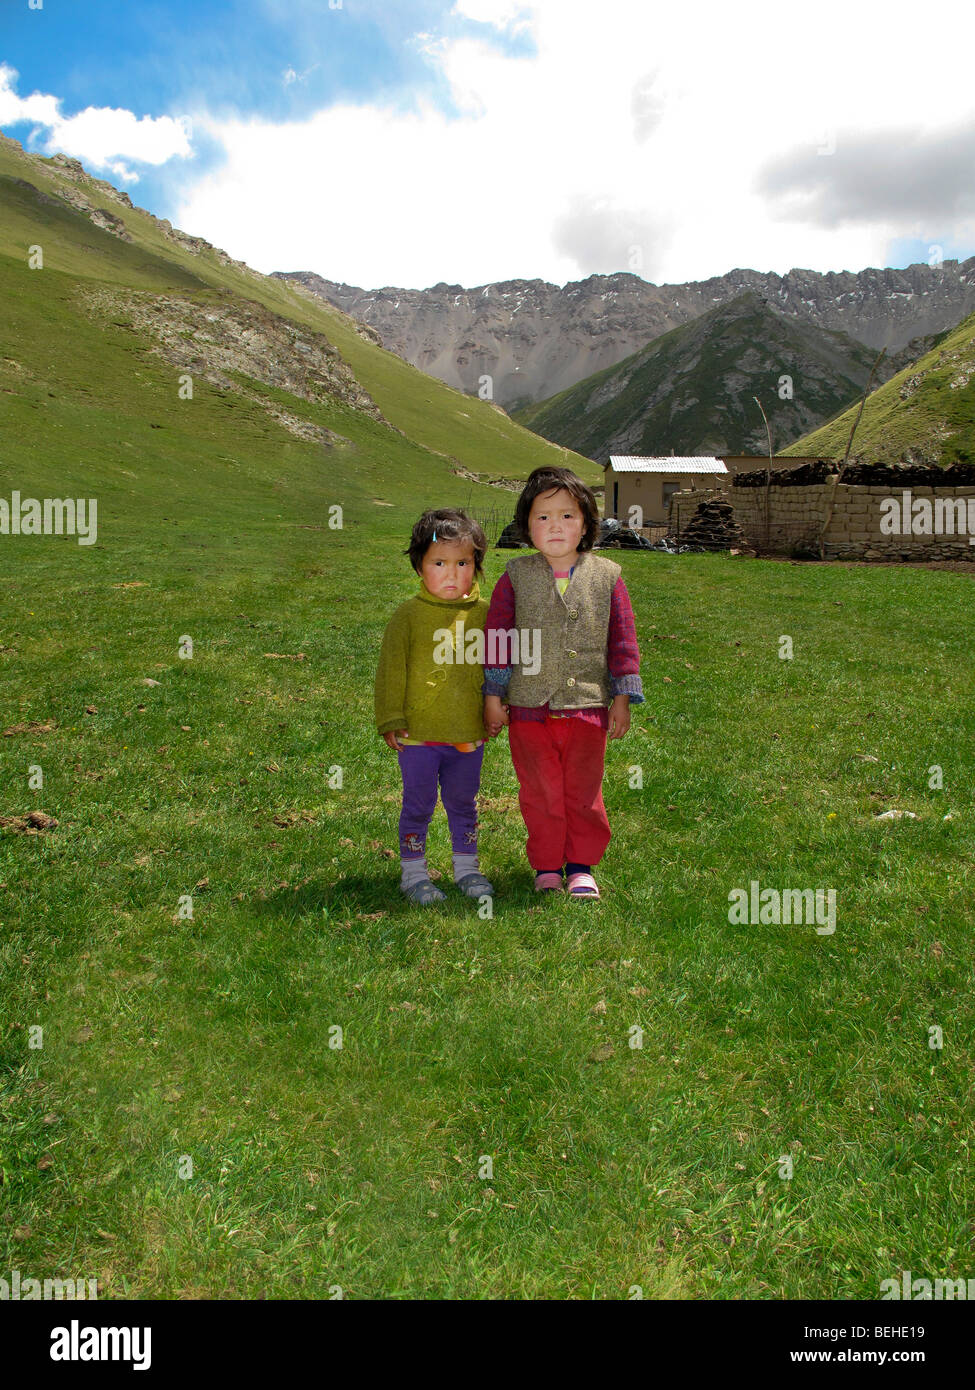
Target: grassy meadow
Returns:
[[362, 1168]]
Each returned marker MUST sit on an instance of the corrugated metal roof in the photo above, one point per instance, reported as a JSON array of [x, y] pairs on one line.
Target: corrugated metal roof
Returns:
[[671, 463]]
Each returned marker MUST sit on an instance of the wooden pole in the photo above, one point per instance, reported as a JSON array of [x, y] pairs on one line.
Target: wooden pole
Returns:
[[846, 456], [768, 475]]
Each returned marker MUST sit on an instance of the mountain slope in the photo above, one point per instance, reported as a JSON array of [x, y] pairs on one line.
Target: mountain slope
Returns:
[[90, 234], [536, 339], [926, 412], [691, 391]]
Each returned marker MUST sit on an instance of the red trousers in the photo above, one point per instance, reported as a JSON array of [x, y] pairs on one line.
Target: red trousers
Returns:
[[559, 765]]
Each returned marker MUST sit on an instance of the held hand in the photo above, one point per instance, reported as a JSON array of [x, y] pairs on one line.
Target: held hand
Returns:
[[619, 716], [495, 715], [393, 738]]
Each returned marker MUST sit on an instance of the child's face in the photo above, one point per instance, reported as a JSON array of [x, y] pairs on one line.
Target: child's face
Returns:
[[447, 569], [556, 524]]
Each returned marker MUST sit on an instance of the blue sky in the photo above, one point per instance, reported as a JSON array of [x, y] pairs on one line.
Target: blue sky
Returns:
[[405, 143], [280, 59], [163, 56]]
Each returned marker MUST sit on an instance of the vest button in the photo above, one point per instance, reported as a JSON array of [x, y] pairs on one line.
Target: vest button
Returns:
[[571, 680], [573, 653], [573, 612]]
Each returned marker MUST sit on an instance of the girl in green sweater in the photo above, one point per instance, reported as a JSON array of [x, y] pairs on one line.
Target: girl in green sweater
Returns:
[[429, 706]]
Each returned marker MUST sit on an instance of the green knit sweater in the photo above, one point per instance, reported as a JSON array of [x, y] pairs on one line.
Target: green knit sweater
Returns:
[[435, 701]]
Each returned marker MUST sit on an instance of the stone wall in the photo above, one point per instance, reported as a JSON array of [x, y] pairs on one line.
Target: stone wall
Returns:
[[797, 515]]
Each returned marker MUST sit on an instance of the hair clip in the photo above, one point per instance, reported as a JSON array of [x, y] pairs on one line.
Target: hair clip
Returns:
[[434, 535]]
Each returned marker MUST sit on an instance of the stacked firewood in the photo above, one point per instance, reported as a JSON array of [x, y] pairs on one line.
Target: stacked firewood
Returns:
[[713, 527]]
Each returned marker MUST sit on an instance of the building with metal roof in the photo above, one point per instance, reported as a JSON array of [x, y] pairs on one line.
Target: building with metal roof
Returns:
[[638, 489]]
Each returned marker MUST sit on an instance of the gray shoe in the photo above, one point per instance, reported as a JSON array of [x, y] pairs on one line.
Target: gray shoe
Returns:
[[423, 893], [475, 886]]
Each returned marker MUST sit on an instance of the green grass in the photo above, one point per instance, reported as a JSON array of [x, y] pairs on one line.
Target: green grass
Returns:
[[463, 1037]]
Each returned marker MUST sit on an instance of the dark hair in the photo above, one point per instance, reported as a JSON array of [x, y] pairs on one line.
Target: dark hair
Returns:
[[550, 480], [446, 524]]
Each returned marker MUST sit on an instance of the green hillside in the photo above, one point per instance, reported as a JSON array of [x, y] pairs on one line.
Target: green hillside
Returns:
[[690, 391], [925, 412], [54, 346]]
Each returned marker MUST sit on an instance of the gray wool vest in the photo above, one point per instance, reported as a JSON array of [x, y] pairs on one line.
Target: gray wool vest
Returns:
[[574, 628]]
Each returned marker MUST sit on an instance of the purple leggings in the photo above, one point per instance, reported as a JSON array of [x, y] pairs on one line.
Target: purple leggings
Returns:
[[459, 775]]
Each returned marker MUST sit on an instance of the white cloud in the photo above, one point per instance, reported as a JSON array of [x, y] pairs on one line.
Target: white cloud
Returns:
[[122, 171], [42, 109], [500, 13], [102, 136], [634, 138], [291, 75]]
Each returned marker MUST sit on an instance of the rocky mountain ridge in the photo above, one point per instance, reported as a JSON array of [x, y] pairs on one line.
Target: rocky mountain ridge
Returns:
[[693, 390], [535, 339]]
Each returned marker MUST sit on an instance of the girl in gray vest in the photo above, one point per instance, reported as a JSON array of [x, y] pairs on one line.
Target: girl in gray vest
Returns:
[[561, 669]]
